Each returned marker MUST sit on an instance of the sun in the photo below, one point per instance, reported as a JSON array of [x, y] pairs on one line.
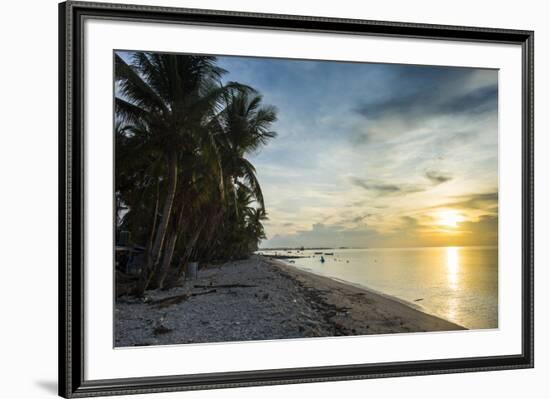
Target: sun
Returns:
[[449, 218]]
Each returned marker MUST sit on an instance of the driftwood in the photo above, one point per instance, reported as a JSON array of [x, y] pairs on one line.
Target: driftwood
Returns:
[[176, 299], [225, 286], [162, 330], [172, 300], [203, 292]]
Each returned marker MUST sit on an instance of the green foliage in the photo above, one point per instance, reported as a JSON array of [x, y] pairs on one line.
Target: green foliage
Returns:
[[174, 108]]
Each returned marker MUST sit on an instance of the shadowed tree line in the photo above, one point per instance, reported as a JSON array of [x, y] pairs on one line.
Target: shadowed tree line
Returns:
[[184, 188]]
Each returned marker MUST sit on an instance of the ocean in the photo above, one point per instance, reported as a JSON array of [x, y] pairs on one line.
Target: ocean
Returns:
[[459, 284]]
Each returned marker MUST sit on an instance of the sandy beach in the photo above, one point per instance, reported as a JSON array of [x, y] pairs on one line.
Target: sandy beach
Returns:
[[259, 299]]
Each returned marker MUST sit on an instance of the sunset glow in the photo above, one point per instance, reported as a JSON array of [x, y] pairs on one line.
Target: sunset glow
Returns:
[[449, 218], [376, 155]]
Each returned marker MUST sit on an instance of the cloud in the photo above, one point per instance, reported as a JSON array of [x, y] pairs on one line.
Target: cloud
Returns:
[[404, 132], [323, 235], [410, 233], [347, 218], [384, 188], [429, 104], [437, 177], [359, 138], [420, 100], [421, 92], [409, 221], [360, 218], [477, 101], [480, 201], [482, 232]]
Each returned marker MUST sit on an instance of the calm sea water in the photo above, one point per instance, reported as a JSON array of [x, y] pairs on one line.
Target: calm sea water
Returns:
[[459, 284]]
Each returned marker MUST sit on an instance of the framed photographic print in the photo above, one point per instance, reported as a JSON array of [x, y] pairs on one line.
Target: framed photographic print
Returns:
[[252, 199]]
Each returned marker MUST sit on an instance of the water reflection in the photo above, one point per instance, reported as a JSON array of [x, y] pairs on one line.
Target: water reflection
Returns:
[[456, 283], [453, 266]]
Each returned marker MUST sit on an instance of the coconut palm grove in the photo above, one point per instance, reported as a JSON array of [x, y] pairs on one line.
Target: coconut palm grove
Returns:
[[184, 189]]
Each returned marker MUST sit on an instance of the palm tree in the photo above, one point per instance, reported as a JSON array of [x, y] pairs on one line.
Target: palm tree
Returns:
[[182, 141], [240, 128], [255, 227], [199, 194], [246, 127], [173, 96]]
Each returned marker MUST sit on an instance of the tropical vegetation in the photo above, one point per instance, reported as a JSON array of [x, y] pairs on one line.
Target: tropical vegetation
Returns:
[[184, 188]]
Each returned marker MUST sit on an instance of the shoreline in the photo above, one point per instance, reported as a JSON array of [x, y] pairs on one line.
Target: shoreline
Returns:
[[410, 312], [263, 299], [370, 290]]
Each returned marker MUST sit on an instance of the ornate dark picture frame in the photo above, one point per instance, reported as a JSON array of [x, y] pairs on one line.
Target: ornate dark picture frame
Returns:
[[71, 199]]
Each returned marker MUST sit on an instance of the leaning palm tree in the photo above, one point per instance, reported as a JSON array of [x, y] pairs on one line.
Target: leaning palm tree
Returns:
[[174, 97], [199, 195], [241, 128], [183, 175]]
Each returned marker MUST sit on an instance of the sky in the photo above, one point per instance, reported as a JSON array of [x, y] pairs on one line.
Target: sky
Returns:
[[376, 155]]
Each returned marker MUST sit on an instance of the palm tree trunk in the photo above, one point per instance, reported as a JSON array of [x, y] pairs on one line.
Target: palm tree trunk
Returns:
[[189, 248], [154, 257], [154, 227], [169, 250], [167, 259]]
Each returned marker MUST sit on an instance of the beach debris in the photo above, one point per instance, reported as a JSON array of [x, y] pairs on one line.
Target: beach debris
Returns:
[[203, 292], [285, 303], [171, 300], [159, 330], [176, 299], [225, 286]]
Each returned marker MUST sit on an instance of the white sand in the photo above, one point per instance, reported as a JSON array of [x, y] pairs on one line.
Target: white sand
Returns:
[[277, 301]]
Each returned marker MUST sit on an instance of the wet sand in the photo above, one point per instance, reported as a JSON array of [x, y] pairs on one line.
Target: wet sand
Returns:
[[366, 311]]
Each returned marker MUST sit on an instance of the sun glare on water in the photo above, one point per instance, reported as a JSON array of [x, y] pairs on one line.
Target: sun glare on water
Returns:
[[449, 218]]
